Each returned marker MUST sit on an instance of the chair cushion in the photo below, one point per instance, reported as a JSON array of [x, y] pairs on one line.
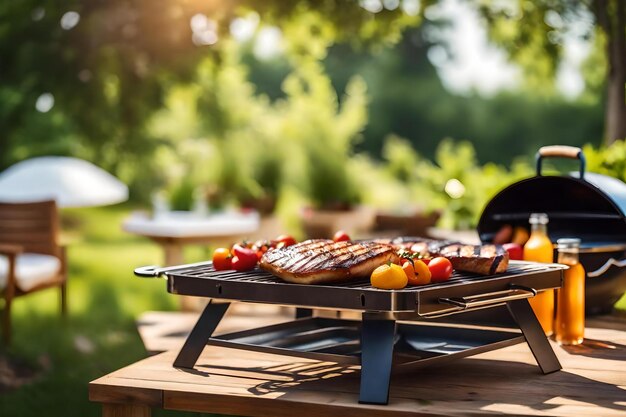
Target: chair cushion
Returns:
[[31, 270]]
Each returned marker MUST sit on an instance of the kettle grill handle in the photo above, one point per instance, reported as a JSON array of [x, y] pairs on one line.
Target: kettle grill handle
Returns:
[[561, 151]]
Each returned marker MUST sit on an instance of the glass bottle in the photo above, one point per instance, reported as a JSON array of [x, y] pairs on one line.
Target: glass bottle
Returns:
[[539, 248], [569, 325]]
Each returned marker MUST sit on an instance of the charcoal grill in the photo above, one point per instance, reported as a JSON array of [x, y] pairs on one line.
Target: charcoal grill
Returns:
[[585, 205], [378, 343]]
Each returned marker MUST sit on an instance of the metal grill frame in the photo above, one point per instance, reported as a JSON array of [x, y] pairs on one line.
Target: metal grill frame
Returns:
[[380, 311]]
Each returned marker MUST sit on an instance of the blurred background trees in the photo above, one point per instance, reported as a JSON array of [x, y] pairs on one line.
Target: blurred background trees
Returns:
[[243, 102]]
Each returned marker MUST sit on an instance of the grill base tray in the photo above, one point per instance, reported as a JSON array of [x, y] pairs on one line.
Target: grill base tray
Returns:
[[338, 340]]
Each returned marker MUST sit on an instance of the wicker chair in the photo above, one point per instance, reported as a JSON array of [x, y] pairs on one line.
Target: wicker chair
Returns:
[[31, 258]]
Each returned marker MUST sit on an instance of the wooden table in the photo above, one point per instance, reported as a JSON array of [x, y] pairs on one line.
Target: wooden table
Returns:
[[506, 381]]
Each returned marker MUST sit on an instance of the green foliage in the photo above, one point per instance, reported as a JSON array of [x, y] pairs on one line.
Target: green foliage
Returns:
[[532, 33], [182, 195], [244, 144], [607, 160], [311, 24], [325, 132], [407, 98], [111, 72], [401, 158], [455, 183]]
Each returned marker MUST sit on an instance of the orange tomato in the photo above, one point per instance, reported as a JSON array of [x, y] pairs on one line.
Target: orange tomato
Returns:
[[421, 273], [389, 277], [407, 267], [222, 259]]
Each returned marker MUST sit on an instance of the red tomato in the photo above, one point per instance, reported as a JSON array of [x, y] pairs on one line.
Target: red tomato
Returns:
[[244, 264], [243, 252], [283, 241], [222, 259], [245, 259], [261, 246], [515, 250], [341, 236], [440, 269]]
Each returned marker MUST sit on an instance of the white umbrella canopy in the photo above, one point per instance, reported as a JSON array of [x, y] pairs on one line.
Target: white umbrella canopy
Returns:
[[72, 182]]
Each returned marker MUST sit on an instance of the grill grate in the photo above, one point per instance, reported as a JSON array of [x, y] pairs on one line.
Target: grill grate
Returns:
[[262, 287], [263, 277]]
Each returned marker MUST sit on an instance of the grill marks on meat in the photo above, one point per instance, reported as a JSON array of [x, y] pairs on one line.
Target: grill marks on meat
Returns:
[[479, 259], [320, 260]]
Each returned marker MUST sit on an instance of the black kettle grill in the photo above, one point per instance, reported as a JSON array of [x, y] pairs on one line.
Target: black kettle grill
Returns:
[[584, 205]]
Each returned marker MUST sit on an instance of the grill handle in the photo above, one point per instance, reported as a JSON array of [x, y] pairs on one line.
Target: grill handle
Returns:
[[561, 151], [515, 292], [153, 271]]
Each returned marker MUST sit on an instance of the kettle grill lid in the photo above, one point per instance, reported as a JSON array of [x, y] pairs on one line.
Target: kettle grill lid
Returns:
[[592, 209]]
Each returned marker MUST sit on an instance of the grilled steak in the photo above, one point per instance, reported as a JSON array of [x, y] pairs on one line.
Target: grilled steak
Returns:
[[320, 261], [479, 259]]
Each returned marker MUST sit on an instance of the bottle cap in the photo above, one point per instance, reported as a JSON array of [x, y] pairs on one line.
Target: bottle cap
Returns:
[[538, 218], [568, 243]]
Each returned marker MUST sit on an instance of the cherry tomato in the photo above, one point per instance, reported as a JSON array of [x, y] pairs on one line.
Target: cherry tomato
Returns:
[[440, 269], [516, 251], [222, 259], [419, 272], [389, 277], [242, 244], [283, 241], [261, 246], [243, 264], [245, 259], [341, 236]]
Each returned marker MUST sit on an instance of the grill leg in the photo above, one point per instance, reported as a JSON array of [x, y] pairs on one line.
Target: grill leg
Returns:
[[202, 331], [303, 312], [523, 314], [376, 357]]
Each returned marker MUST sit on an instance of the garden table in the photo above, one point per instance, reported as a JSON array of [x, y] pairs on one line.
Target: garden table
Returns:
[[174, 230], [505, 381]]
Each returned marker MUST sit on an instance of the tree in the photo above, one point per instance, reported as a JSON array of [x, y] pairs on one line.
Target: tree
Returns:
[[532, 33], [107, 64], [611, 16]]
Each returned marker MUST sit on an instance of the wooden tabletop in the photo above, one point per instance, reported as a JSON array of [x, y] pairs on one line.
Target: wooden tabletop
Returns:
[[506, 381]]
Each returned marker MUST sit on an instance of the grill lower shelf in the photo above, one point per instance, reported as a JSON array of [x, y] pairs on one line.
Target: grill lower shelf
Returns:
[[336, 340]]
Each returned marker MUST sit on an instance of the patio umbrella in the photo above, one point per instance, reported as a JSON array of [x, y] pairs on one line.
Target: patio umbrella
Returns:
[[72, 182]]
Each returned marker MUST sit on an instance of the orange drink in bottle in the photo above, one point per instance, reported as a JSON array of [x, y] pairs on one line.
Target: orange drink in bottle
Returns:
[[539, 248], [569, 325]]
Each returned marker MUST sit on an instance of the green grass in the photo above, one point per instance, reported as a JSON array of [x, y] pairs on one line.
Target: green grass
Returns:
[[104, 301]]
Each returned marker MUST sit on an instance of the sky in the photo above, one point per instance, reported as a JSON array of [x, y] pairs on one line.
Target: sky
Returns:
[[480, 66]]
